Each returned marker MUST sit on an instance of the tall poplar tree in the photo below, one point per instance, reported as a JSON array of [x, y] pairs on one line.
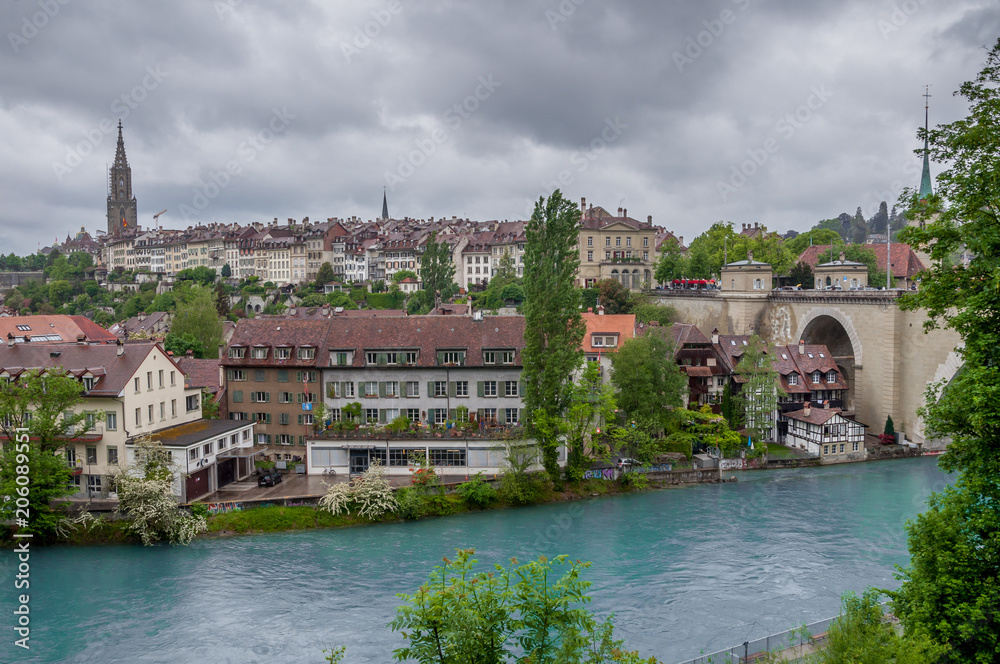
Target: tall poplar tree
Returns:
[[553, 327], [758, 398], [437, 270]]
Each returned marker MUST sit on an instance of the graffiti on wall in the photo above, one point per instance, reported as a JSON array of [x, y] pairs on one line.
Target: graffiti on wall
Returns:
[[224, 508], [599, 474]]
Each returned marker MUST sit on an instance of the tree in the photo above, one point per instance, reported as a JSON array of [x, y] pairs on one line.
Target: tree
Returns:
[[221, 294], [146, 499], [209, 406], [226, 271], [729, 407], [648, 383], [325, 274], [758, 397], [179, 345], [951, 588], [801, 275], [649, 312], [519, 613], [437, 271], [860, 253], [615, 298], [36, 412], [399, 275], [553, 327], [889, 426], [202, 275], [199, 318], [671, 264], [817, 236], [591, 405]]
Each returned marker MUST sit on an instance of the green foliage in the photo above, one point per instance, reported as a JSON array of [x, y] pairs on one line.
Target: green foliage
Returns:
[[721, 243], [672, 264], [634, 440], [802, 275], [519, 613], [615, 298], [647, 381], [274, 309], [591, 405], [861, 635], [198, 318], [325, 274], [889, 426], [226, 271], [649, 312], [704, 426], [341, 299], [179, 345], [815, 237], [950, 590], [48, 482], [201, 275], [477, 492], [730, 409], [394, 300], [399, 275], [437, 271], [209, 407], [758, 397], [554, 328]]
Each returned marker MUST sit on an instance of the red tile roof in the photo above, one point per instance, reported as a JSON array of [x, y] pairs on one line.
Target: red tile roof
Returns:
[[622, 325], [905, 263], [68, 328]]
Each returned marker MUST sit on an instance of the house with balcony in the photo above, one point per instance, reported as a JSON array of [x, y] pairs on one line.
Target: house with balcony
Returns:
[[826, 433], [432, 374], [130, 390], [615, 247]]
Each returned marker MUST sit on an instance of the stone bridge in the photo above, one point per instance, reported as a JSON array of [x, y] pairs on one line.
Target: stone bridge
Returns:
[[883, 351]]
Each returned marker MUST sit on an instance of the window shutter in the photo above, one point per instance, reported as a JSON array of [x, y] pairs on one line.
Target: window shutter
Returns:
[[381, 359], [440, 357], [520, 388], [451, 414], [238, 396], [267, 397], [430, 388], [268, 439], [402, 388], [381, 415], [430, 415], [381, 389], [298, 376], [452, 390], [480, 388], [480, 414], [361, 390], [343, 389], [298, 419], [268, 420]]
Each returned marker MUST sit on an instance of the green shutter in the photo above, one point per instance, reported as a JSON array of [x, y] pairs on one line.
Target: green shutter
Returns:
[[238, 396], [480, 413], [402, 388], [440, 357], [299, 419], [381, 389], [480, 388], [452, 414], [268, 421], [381, 359], [520, 388], [430, 388], [302, 441], [430, 415], [452, 390], [282, 375], [361, 390], [267, 397], [343, 389], [381, 415]]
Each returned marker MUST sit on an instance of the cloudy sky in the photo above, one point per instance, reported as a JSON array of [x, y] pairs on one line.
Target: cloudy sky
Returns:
[[770, 111]]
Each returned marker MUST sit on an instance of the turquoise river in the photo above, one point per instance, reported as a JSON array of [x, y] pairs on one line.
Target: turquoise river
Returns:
[[684, 570]]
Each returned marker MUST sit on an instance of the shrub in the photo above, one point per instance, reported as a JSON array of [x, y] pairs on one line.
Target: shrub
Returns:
[[520, 489], [424, 477], [410, 503], [477, 492]]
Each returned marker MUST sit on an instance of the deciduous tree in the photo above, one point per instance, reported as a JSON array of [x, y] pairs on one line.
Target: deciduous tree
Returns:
[[199, 318], [437, 270], [647, 382]]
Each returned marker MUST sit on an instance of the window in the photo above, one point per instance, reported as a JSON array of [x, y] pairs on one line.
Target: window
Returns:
[[191, 402], [193, 453], [307, 353], [258, 353], [347, 390], [815, 377], [88, 382], [451, 357], [440, 415], [371, 415], [489, 388], [149, 380], [447, 457], [163, 411], [284, 397], [590, 256], [238, 375], [283, 418], [855, 447], [831, 376], [461, 388], [259, 375], [793, 379], [94, 483], [410, 357], [138, 417], [260, 397], [412, 414], [71, 455], [160, 377], [237, 353], [510, 388], [391, 388], [607, 255], [607, 242], [511, 415], [597, 342], [173, 408], [628, 241], [440, 388], [113, 456], [590, 241], [283, 353], [412, 388], [91, 455], [111, 421], [826, 449], [136, 382], [841, 448], [173, 378], [645, 241], [207, 449], [149, 409], [263, 418], [371, 389], [489, 357], [282, 375], [508, 357], [618, 242], [610, 342]]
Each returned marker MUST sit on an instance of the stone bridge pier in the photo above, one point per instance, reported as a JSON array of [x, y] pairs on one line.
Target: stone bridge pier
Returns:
[[882, 351]]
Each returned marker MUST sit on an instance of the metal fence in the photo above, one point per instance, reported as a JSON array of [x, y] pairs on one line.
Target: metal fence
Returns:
[[751, 650]]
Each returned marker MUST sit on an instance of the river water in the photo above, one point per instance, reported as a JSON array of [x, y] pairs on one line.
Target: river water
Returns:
[[684, 570]]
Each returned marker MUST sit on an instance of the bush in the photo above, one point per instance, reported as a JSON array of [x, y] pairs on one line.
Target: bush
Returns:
[[410, 503], [520, 489], [477, 492]]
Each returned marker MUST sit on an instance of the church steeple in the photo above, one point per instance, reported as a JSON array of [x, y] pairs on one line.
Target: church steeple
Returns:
[[122, 214], [385, 206], [925, 176]]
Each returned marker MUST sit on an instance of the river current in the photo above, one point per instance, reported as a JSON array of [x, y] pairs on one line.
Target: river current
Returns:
[[684, 570]]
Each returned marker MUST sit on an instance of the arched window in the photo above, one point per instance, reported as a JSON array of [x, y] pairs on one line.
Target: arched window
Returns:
[[828, 281]]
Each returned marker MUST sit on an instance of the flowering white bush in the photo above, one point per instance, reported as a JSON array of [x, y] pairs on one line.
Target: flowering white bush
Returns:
[[146, 498], [370, 494]]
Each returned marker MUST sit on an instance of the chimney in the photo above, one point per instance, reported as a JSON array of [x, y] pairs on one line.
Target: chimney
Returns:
[[10, 341], [744, 226], [826, 404], [649, 218], [583, 204], [624, 212], [619, 212], [600, 310], [189, 353], [802, 347], [807, 411], [81, 339], [750, 256], [142, 316], [121, 348], [842, 257], [756, 224], [590, 310], [715, 336], [680, 240]]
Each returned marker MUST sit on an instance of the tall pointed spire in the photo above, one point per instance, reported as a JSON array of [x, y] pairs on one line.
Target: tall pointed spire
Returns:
[[122, 214], [385, 206], [925, 176]]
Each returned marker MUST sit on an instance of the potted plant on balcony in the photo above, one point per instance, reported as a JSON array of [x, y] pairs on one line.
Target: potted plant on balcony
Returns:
[[399, 425]]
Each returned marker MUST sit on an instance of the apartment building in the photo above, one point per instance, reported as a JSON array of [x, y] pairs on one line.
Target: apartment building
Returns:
[[616, 247]]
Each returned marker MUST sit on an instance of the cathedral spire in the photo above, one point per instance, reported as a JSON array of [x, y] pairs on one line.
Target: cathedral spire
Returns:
[[122, 214], [925, 176], [385, 206]]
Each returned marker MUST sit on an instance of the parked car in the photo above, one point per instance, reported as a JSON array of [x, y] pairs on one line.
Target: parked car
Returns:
[[269, 478], [627, 463]]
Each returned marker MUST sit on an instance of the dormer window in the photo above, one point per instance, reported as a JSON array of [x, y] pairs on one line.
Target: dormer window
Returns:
[[89, 382], [283, 353], [258, 353], [597, 342], [237, 353], [307, 353], [793, 379], [815, 377], [831, 376], [451, 357]]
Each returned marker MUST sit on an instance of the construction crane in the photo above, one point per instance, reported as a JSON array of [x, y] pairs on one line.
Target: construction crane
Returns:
[[156, 219]]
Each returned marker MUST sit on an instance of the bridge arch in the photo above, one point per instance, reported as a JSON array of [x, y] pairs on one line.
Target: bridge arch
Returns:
[[814, 329]]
